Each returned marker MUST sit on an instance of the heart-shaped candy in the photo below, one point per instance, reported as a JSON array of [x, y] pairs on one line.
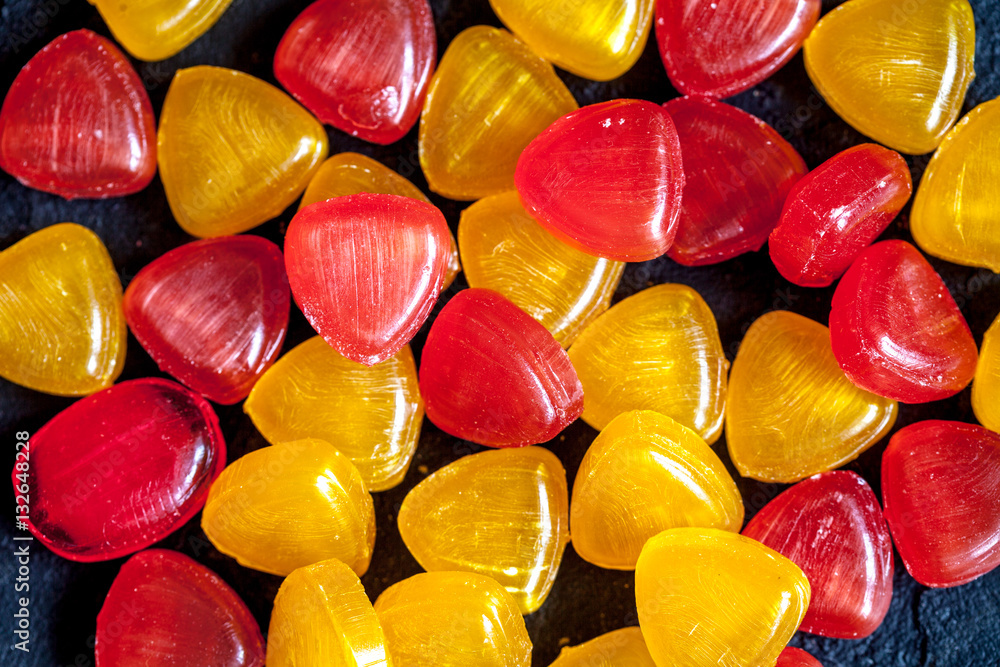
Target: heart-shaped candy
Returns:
[[618, 648], [796, 657], [158, 30], [986, 385]]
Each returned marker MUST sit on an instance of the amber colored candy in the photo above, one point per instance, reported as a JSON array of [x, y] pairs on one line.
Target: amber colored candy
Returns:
[[956, 213], [656, 350], [643, 474], [710, 597], [372, 414], [986, 385], [898, 74], [234, 151], [796, 657], [322, 616], [158, 30], [618, 648], [488, 99], [792, 412], [503, 513], [291, 505], [62, 330], [506, 250], [453, 619]]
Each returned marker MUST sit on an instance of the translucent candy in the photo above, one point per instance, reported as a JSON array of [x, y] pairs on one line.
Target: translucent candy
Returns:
[[618, 648], [156, 30], [986, 386]]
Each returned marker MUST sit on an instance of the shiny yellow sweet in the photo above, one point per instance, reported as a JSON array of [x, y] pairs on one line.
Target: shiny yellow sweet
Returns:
[[710, 598], [453, 619], [62, 330], [157, 29], [290, 505], [503, 513], [643, 474], [619, 648], [956, 213], [896, 71], [322, 616], [656, 350], [233, 151], [595, 39], [792, 412], [504, 249], [489, 97], [372, 414], [986, 385]]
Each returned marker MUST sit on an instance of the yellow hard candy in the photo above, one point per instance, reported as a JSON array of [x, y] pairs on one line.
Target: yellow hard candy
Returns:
[[157, 29], [986, 385], [656, 350], [619, 648], [233, 151], [792, 412], [453, 619], [62, 330], [502, 513], [504, 249]]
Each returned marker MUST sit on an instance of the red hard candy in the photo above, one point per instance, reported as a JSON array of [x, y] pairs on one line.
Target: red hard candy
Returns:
[[491, 374], [796, 657]]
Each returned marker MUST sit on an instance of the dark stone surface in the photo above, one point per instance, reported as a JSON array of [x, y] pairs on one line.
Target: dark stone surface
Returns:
[[924, 627]]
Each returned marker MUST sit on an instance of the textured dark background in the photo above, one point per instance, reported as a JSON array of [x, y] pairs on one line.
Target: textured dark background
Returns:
[[952, 627]]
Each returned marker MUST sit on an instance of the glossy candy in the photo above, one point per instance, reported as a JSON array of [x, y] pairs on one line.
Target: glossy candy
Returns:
[[77, 121], [897, 74], [618, 648], [835, 211], [643, 474], [120, 470], [796, 657], [167, 609], [491, 374], [291, 505], [986, 386], [360, 65], [656, 350], [606, 179], [738, 172], [62, 330], [792, 412], [506, 250], [941, 491], [488, 99], [156, 30], [234, 151], [502, 513], [832, 527], [895, 329], [212, 313]]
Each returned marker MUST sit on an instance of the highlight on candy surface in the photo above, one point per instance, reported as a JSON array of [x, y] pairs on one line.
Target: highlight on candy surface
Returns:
[[453, 619], [657, 350], [120, 470], [792, 412], [489, 97], [290, 505], [502, 513], [895, 329], [234, 151], [177, 612], [77, 121], [157, 30], [506, 250], [371, 415], [742, 613], [360, 65], [644, 474], [606, 179], [897, 76], [618, 648], [212, 313], [62, 330], [366, 270], [986, 385], [796, 657]]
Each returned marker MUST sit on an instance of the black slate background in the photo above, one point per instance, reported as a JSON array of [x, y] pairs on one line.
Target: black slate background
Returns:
[[951, 627]]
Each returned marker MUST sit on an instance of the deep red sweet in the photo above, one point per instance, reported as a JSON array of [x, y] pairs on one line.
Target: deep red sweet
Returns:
[[366, 270], [738, 172], [836, 211], [166, 609], [77, 121], [606, 179], [362, 66], [121, 469], [212, 313], [491, 374], [895, 329], [796, 657], [718, 48], [831, 526], [941, 492]]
